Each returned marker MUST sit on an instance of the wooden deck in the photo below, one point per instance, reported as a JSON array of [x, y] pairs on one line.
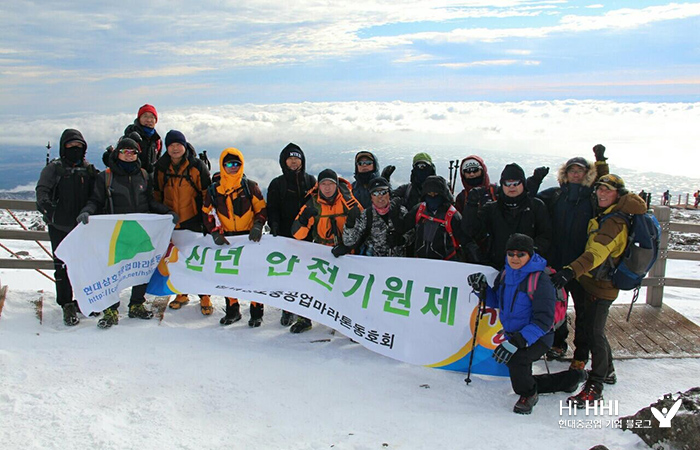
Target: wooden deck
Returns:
[[650, 333]]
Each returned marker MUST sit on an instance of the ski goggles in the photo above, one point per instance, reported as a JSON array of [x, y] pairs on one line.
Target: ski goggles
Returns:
[[128, 151], [511, 183], [380, 193], [229, 164], [611, 181], [512, 254]]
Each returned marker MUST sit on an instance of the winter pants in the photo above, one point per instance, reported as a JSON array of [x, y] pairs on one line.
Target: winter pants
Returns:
[[520, 366], [64, 290], [578, 295], [138, 296], [601, 356]]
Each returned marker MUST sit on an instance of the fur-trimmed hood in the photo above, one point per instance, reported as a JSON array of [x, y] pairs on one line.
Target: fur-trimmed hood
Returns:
[[588, 180]]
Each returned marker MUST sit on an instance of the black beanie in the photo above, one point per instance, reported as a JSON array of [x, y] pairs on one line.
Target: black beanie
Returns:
[[521, 242], [175, 136], [513, 172], [328, 174], [377, 184], [126, 142], [231, 157], [434, 183]]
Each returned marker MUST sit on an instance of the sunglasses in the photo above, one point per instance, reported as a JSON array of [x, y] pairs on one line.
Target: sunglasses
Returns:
[[511, 183], [127, 151], [512, 254], [421, 166], [471, 170], [380, 193], [229, 164], [364, 162]]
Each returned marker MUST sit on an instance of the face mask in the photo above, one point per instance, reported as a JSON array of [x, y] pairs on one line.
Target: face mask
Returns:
[[74, 154], [433, 203], [475, 181], [128, 167]]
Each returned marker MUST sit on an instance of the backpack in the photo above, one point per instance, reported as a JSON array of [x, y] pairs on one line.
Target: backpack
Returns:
[[641, 252], [562, 297], [446, 222]]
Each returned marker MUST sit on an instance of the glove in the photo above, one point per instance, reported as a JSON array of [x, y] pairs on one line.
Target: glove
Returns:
[[255, 232], [340, 250], [353, 214], [475, 195], [219, 239], [562, 277], [599, 152], [176, 218], [504, 352], [274, 229], [540, 173], [83, 217], [307, 214], [387, 171], [477, 281], [46, 207]]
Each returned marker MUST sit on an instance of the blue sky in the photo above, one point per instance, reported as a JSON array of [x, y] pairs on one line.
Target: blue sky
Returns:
[[77, 57]]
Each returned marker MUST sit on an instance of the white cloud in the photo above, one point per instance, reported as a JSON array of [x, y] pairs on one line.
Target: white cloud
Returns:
[[595, 6], [491, 62]]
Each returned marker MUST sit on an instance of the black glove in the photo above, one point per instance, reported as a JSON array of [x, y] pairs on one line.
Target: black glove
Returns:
[[176, 218], [477, 281], [340, 250], [518, 340], [387, 171], [540, 173], [353, 214], [307, 214], [274, 228], [504, 352], [46, 207], [256, 232], [475, 195], [219, 239], [83, 217], [599, 152], [562, 277]]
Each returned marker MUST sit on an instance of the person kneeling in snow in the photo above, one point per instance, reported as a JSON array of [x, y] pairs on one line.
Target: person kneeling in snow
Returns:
[[527, 322]]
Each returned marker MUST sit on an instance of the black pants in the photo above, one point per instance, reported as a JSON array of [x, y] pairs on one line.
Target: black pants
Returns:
[[138, 294], [64, 290], [601, 356], [524, 383], [578, 296]]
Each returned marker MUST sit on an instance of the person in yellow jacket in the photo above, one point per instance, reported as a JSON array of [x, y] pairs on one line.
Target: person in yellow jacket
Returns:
[[331, 205], [607, 241], [180, 180], [234, 205]]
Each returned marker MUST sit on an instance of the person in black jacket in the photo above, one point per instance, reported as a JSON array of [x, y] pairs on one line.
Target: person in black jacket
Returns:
[[513, 212], [124, 188], [148, 140], [285, 197], [63, 189], [411, 193]]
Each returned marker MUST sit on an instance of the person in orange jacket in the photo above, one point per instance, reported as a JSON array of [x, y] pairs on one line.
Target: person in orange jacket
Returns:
[[234, 205], [324, 216]]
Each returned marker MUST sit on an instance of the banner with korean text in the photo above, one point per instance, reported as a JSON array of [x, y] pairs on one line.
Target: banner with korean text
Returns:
[[414, 310]]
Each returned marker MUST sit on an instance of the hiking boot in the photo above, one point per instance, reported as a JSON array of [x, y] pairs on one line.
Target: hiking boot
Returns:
[[139, 312], [524, 405], [580, 377], [205, 305], [302, 324], [577, 364], [590, 393], [556, 353], [111, 317], [70, 314], [180, 300], [287, 318], [233, 314]]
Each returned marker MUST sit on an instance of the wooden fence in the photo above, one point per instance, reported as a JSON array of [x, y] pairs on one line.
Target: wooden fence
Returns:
[[655, 281]]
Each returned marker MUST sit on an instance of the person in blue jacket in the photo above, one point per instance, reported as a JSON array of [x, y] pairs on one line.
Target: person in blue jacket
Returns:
[[527, 322]]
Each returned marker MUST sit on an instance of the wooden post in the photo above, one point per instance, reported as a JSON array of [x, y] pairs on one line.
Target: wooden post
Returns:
[[655, 293], [687, 200]]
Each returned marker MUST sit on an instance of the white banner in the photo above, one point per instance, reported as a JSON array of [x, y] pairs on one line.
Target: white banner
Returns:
[[111, 253]]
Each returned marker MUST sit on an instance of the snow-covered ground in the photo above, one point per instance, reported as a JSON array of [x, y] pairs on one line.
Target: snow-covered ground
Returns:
[[190, 383]]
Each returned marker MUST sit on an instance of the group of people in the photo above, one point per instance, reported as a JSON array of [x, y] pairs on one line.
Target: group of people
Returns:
[[509, 225]]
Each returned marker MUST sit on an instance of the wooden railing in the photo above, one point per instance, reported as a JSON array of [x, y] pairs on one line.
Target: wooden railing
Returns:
[[655, 281]]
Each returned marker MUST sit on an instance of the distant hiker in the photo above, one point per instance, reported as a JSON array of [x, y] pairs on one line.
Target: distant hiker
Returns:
[[514, 211], [124, 187], [235, 206], [606, 244], [63, 189], [149, 143], [571, 206], [180, 181], [411, 193], [323, 217], [667, 198], [697, 198], [378, 230], [203, 156], [436, 223], [527, 322], [366, 169]]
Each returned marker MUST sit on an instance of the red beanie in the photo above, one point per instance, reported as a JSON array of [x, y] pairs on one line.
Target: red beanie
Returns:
[[147, 108]]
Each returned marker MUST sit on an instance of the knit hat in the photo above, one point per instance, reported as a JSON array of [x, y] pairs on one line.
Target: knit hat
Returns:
[[521, 242], [147, 108], [174, 136], [513, 172], [328, 174], [422, 157], [126, 142], [377, 184], [612, 182], [471, 163], [578, 161], [434, 183], [295, 154]]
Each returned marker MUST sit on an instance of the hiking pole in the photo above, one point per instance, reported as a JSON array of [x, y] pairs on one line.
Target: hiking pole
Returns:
[[634, 300], [479, 315], [454, 179], [48, 152], [451, 185]]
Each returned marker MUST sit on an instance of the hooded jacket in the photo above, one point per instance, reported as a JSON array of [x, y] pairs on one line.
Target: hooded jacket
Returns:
[[362, 179], [151, 146], [64, 186], [326, 227], [411, 193], [489, 193], [182, 188], [236, 206], [288, 192], [605, 246], [532, 318], [570, 207]]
